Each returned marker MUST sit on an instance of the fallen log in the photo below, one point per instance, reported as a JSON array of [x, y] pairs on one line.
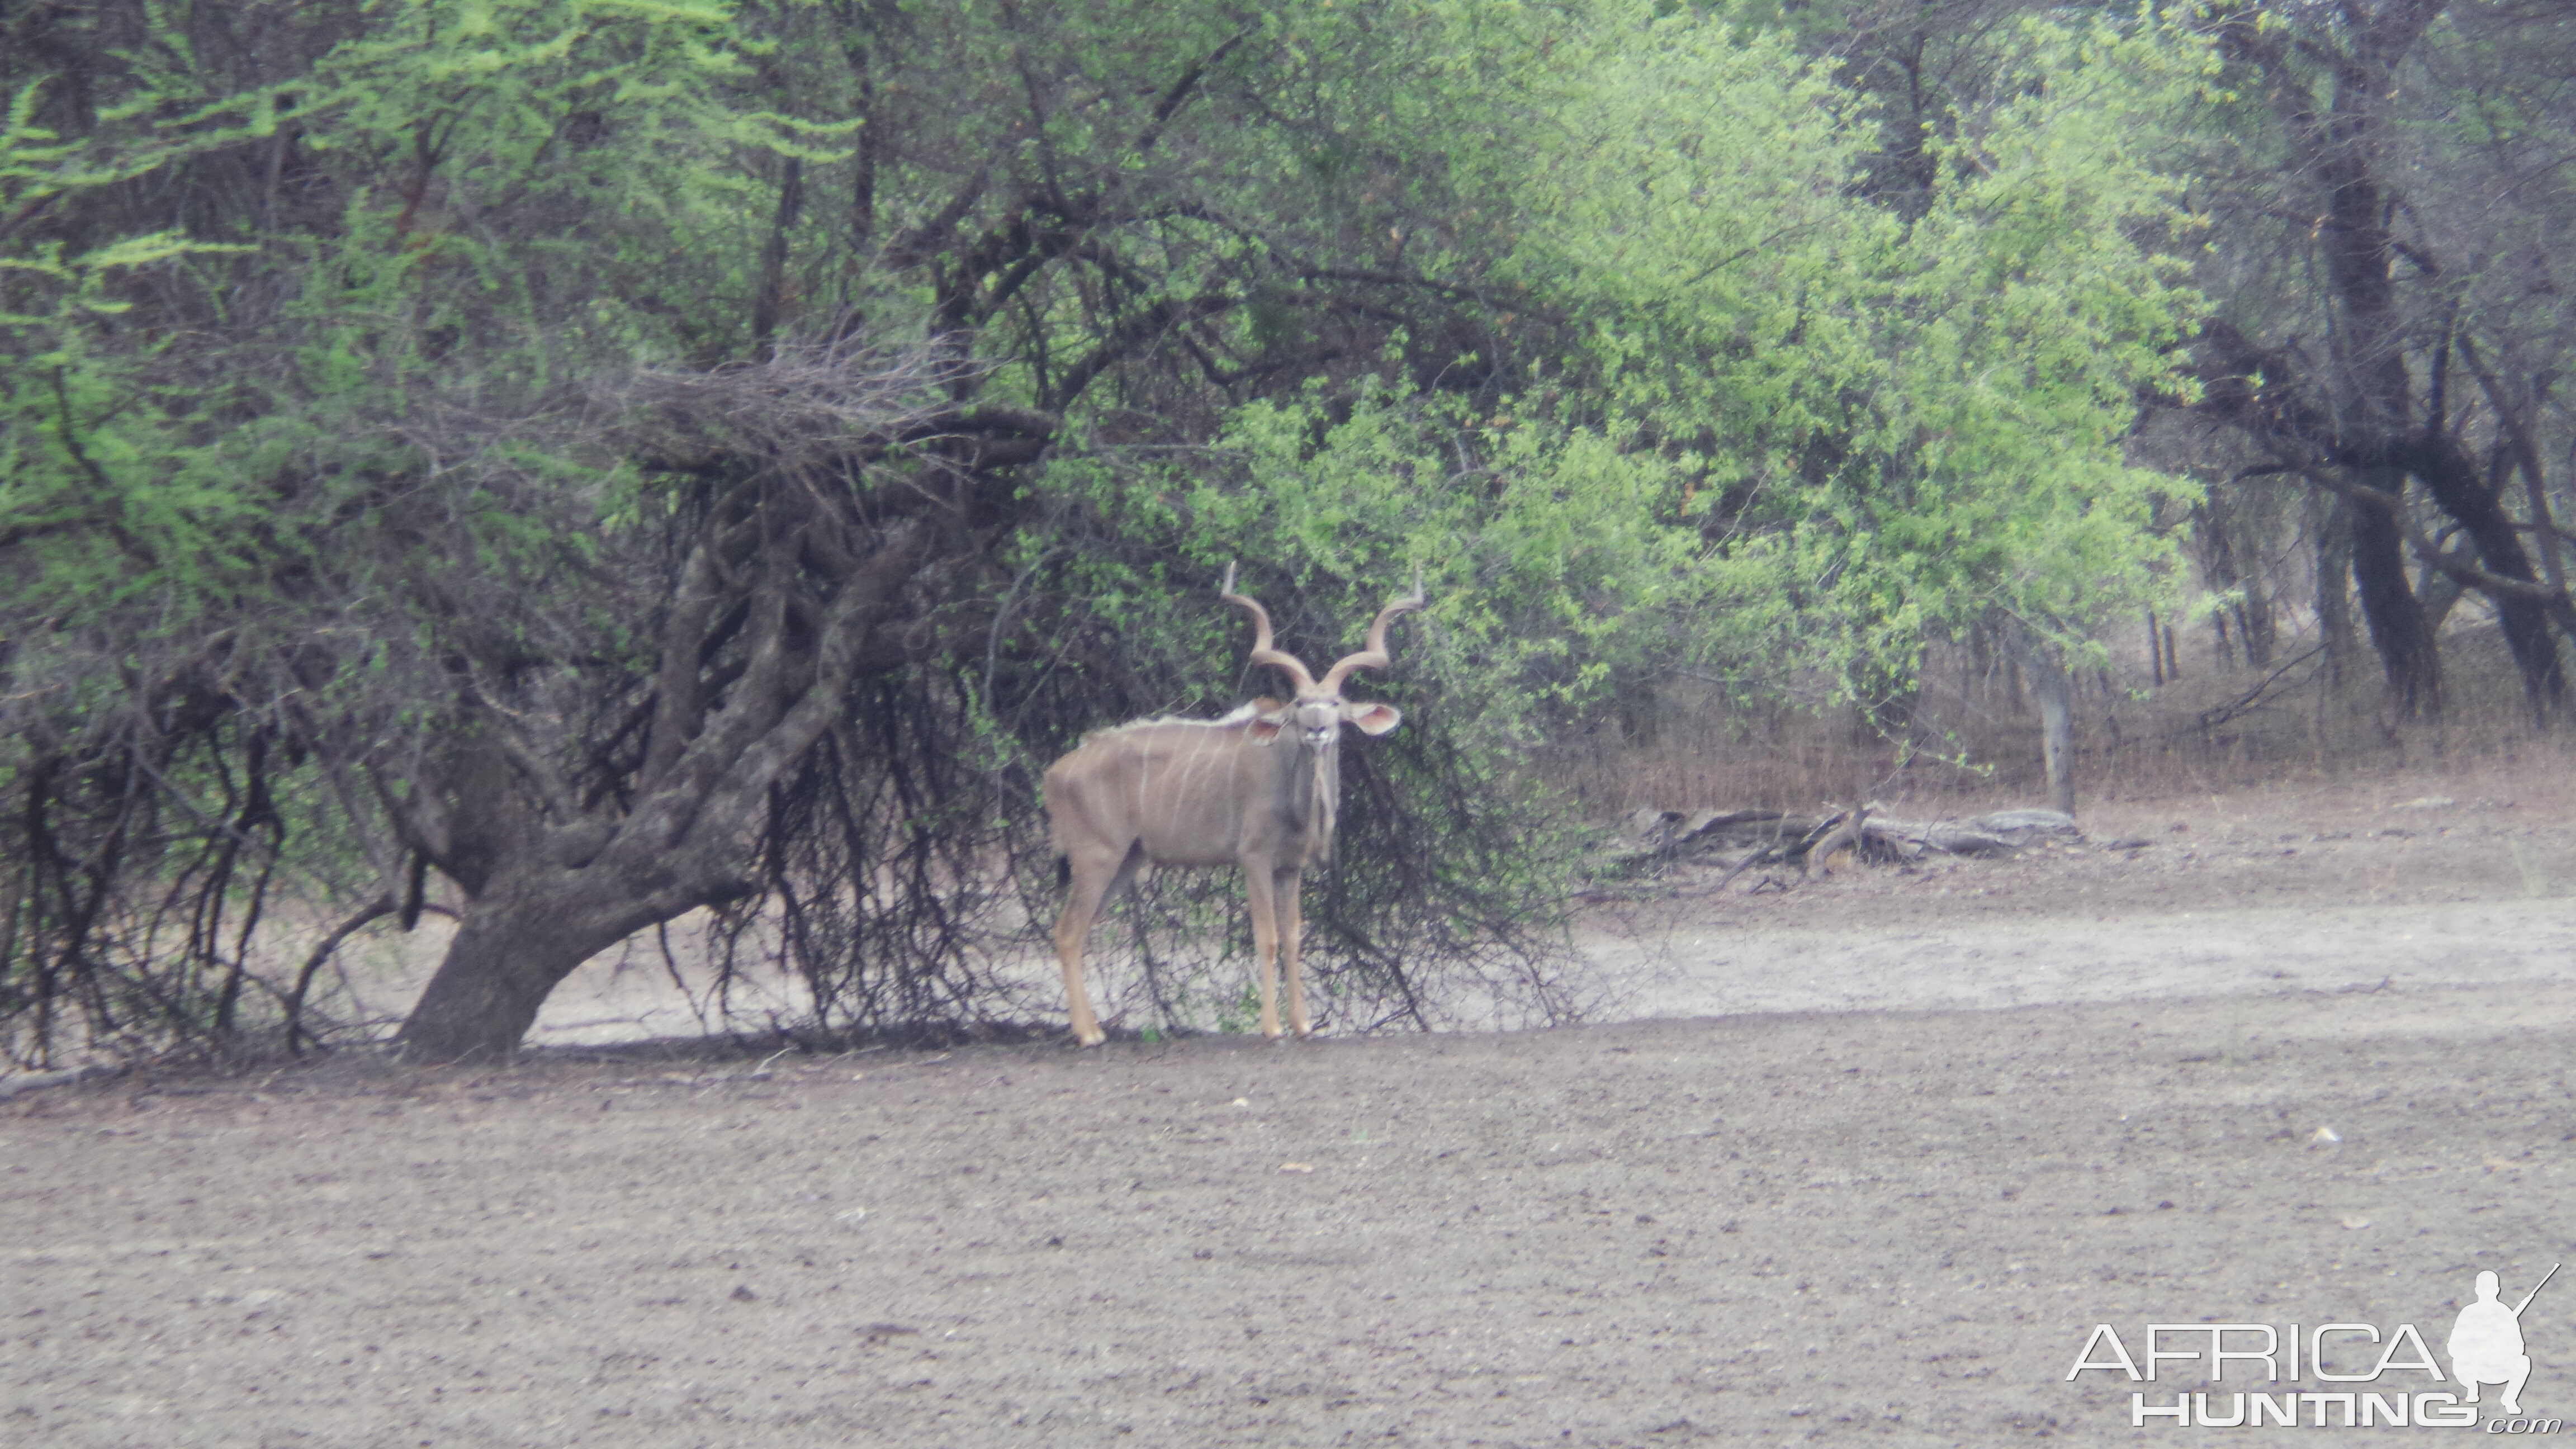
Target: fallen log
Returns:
[[1656, 838], [1673, 833], [1847, 832], [2005, 832], [17, 1082]]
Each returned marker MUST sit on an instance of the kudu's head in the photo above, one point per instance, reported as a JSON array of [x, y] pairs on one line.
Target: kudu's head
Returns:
[[1319, 710]]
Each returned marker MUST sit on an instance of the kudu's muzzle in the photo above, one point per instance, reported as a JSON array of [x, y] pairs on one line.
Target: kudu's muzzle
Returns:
[[1319, 723]]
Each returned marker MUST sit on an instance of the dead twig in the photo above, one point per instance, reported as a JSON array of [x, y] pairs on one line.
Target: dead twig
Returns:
[[2221, 714]]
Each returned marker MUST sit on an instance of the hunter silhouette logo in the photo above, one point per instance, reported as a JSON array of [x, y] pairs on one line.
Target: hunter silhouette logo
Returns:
[[2363, 1376], [2486, 1343]]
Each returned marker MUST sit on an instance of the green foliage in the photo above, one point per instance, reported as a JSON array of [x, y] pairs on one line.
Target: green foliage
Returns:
[[1884, 427], [502, 204], [326, 384], [1758, 425], [104, 489]]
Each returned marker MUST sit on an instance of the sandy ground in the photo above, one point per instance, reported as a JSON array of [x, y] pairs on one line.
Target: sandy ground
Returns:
[[1953, 1120], [2320, 889]]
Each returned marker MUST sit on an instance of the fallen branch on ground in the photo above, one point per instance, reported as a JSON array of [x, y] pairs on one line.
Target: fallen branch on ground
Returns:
[[1770, 837]]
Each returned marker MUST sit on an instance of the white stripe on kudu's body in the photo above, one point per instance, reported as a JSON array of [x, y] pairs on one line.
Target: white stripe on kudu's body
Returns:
[[1257, 789]]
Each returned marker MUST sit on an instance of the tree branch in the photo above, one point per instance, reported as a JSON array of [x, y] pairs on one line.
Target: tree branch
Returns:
[[2449, 563], [2526, 455], [1181, 90], [678, 704], [377, 909], [1136, 332]]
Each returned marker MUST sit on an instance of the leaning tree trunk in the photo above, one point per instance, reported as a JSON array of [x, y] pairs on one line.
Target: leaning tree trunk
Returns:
[[516, 945], [496, 975], [553, 879], [2407, 655]]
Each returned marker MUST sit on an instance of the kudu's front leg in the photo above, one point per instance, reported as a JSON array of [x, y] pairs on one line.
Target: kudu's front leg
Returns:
[[1278, 923], [1260, 890], [1292, 930]]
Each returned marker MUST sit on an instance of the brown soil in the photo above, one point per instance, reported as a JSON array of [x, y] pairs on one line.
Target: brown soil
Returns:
[[2435, 881], [1893, 1225]]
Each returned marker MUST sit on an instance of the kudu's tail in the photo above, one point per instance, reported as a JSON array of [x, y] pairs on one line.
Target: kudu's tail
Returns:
[[1064, 872]]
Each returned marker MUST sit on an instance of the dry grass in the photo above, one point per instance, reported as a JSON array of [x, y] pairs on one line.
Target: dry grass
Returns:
[[1976, 738]]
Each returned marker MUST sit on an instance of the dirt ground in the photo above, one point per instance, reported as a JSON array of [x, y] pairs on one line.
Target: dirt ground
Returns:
[[2438, 880], [2303, 1062]]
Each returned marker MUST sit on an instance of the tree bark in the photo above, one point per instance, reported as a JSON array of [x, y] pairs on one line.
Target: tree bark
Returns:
[[2215, 529], [553, 881], [508, 956], [535, 921], [2057, 738], [2054, 694], [2407, 657], [2460, 487], [2336, 147], [2332, 532]]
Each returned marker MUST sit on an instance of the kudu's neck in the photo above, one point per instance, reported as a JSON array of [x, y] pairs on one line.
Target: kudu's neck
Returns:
[[1310, 793]]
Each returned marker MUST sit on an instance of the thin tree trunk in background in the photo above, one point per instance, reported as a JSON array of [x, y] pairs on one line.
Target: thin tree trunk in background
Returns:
[[770, 305], [2254, 626], [2407, 656], [863, 181], [2056, 731], [2333, 536], [2054, 693], [2525, 453], [2216, 530], [2372, 396]]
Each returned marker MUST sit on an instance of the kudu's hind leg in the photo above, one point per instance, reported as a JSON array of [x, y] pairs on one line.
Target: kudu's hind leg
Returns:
[[1096, 878], [1292, 930]]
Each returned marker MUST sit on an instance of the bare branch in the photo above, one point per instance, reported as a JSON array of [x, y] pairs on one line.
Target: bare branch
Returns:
[[377, 909], [1181, 90], [808, 405], [2526, 456], [2444, 560], [678, 701]]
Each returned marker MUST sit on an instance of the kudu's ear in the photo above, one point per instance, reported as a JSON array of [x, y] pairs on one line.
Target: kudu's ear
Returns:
[[1372, 718]]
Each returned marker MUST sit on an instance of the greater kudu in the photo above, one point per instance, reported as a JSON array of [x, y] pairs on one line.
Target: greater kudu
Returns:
[[1215, 792]]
